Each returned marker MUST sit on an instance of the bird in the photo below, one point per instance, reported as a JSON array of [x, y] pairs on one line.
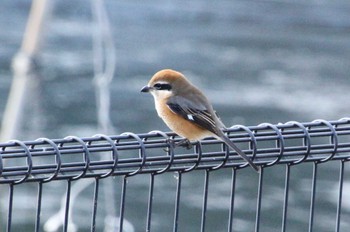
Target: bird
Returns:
[[187, 111]]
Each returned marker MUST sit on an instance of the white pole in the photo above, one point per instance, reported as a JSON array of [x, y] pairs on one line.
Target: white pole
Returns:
[[23, 71]]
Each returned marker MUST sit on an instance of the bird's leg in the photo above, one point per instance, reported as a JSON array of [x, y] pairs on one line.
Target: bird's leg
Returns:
[[184, 143], [171, 142]]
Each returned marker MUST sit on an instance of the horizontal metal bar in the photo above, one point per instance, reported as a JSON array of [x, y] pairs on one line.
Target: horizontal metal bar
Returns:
[[152, 152]]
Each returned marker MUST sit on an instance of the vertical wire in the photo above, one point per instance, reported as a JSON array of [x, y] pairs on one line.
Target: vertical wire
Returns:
[[232, 200], [104, 60], [258, 204], [66, 214], [10, 207], [340, 196], [122, 203], [285, 200], [313, 193], [104, 64], [205, 200], [38, 210], [94, 207], [177, 202], [150, 203]]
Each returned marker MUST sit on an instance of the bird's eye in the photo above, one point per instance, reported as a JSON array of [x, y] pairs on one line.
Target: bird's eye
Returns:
[[162, 86], [157, 86]]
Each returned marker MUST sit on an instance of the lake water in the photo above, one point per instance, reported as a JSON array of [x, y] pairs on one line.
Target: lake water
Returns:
[[258, 61]]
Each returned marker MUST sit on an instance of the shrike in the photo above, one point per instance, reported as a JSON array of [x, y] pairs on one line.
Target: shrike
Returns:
[[187, 111]]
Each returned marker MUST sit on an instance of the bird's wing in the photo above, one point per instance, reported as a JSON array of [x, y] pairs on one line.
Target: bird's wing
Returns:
[[197, 112], [201, 113]]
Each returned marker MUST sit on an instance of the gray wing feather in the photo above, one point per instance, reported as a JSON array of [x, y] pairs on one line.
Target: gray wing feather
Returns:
[[195, 110]]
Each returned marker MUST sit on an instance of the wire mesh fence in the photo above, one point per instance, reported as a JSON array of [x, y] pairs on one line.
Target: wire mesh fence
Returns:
[[279, 149]]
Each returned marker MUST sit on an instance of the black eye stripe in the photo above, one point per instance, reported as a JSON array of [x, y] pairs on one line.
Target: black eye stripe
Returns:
[[160, 86]]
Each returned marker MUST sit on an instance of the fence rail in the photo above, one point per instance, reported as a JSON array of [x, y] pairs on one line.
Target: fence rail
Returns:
[[131, 154], [72, 158]]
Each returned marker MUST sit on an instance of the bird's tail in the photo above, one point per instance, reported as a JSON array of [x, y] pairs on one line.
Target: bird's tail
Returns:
[[229, 143]]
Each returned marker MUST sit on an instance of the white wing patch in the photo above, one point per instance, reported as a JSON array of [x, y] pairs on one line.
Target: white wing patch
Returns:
[[190, 117]]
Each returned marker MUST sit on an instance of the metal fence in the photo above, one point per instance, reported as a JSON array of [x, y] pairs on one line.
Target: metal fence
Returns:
[[281, 147]]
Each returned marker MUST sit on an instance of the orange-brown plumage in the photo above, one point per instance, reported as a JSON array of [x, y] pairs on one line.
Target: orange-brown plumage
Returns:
[[179, 125]]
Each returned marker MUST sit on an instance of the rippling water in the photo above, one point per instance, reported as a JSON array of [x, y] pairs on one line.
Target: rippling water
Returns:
[[258, 61]]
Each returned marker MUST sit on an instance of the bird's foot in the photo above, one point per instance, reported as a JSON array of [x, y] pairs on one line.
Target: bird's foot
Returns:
[[184, 143]]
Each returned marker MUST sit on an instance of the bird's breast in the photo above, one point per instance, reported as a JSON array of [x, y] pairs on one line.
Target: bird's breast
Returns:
[[179, 125]]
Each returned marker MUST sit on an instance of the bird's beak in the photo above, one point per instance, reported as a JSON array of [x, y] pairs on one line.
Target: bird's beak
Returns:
[[145, 89]]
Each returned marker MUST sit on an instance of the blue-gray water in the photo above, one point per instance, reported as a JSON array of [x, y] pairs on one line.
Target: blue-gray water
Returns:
[[258, 61]]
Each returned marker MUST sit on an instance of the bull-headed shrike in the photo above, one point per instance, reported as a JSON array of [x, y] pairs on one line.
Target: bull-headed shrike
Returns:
[[186, 110]]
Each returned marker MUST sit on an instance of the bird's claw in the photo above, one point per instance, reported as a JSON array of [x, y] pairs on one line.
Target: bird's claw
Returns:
[[182, 143]]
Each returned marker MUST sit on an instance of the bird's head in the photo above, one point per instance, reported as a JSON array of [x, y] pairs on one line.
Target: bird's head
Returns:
[[166, 83]]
